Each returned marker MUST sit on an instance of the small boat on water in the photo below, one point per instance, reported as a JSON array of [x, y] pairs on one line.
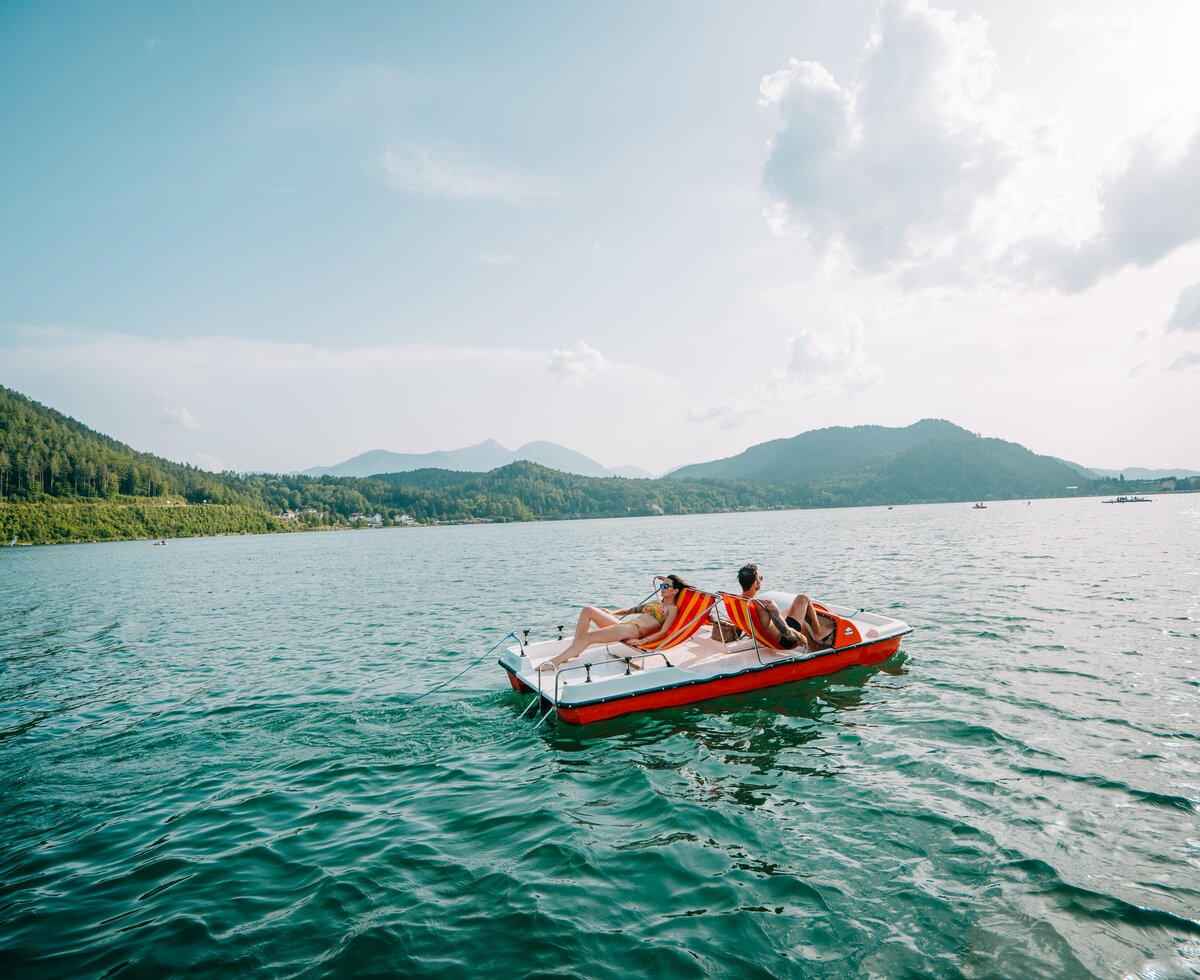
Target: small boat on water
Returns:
[[1128, 500], [690, 665], [979, 506]]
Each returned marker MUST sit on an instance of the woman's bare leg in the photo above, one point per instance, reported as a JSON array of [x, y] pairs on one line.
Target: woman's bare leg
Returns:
[[589, 615], [606, 634]]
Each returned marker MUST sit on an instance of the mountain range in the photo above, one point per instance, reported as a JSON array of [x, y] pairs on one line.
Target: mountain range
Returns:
[[811, 457], [1141, 473], [487, 455], [61, 481], [929, 460]]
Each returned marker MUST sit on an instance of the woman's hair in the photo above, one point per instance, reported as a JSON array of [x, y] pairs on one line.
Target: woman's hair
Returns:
[[676, 582]]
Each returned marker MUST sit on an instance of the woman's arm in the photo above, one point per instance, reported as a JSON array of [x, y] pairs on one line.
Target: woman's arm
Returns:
[[664, 630]]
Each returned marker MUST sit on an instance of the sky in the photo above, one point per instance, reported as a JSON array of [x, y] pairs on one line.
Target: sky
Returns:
[[272, 236]]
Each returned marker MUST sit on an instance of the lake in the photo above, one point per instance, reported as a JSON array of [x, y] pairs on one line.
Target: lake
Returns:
[[212, 762]]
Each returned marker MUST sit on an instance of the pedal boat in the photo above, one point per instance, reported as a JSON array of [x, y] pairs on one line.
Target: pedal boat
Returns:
[[611, 680]]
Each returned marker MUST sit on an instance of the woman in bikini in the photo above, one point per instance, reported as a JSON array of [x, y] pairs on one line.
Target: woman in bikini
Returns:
[[654, 621]]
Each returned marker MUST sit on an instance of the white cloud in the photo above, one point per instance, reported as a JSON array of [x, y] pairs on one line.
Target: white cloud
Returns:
[[825, 362], [575, 366], [1186, 315], [1137, 369], [1107, 35], [278, 405], [918, 167], [1185, 361], [446, 171], [889, 169], [733, 410], [211, 463], [494, 258], [180, 417], [1148, 208]]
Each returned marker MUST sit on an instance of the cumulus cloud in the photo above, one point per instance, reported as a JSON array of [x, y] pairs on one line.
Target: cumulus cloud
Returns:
[[448, 172], [733, 410], [575, 366], [917, 166], [282, 405], [213, 464], [890, 168], [1149, 207], [1186, 361], [814, 362], [180, 417], [1187, 310], [1107, 35]]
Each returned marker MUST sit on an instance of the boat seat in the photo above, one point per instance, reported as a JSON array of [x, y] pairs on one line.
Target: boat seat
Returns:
[[742, 616], [694, 607]]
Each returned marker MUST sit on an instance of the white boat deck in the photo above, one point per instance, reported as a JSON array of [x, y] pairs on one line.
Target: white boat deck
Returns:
[[601, 673]]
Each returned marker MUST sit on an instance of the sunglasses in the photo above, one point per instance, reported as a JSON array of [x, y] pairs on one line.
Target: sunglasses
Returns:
[[665, 585]]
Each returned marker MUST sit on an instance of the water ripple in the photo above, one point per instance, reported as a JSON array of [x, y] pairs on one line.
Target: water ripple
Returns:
[[213, 764]]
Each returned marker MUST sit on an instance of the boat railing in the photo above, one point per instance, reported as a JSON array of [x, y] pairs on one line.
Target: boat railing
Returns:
[[723, 622]]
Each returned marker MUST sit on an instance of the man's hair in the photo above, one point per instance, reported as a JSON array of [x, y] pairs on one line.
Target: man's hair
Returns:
[[747, 575]]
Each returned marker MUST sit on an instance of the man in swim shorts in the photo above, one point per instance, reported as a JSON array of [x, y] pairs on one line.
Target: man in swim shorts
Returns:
[[800, 625]]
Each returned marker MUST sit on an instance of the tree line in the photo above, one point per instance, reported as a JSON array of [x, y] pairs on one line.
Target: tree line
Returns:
[[61, 481]]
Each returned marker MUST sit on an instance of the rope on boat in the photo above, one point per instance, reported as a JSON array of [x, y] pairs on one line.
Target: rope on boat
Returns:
[[473, 663]]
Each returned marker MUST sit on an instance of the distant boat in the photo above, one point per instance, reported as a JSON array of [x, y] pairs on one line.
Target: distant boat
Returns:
[[13, 542], [1128, 500], [979, 507]]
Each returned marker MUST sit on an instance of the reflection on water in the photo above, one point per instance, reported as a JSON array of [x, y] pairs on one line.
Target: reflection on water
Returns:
[[213, 763]]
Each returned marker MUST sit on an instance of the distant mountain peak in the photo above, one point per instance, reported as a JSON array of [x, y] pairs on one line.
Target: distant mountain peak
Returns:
[[932, 457], [479, 458]]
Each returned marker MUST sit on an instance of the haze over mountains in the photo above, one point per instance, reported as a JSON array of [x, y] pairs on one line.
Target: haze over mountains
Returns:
[[930, 459], [1141, 473], [487, 455], [812, 457], [61, 481]]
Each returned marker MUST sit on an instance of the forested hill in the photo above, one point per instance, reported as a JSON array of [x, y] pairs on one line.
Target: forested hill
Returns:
[[43, 452], [61, 481], [525, 491], [926, 461]]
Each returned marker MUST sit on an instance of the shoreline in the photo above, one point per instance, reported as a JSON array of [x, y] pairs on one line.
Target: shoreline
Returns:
[[283, 527]]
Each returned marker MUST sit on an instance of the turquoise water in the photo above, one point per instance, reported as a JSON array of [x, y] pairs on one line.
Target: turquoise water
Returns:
[[209, 765]]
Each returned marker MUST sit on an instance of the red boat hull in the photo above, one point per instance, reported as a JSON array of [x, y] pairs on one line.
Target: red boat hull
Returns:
[[751, 680]]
